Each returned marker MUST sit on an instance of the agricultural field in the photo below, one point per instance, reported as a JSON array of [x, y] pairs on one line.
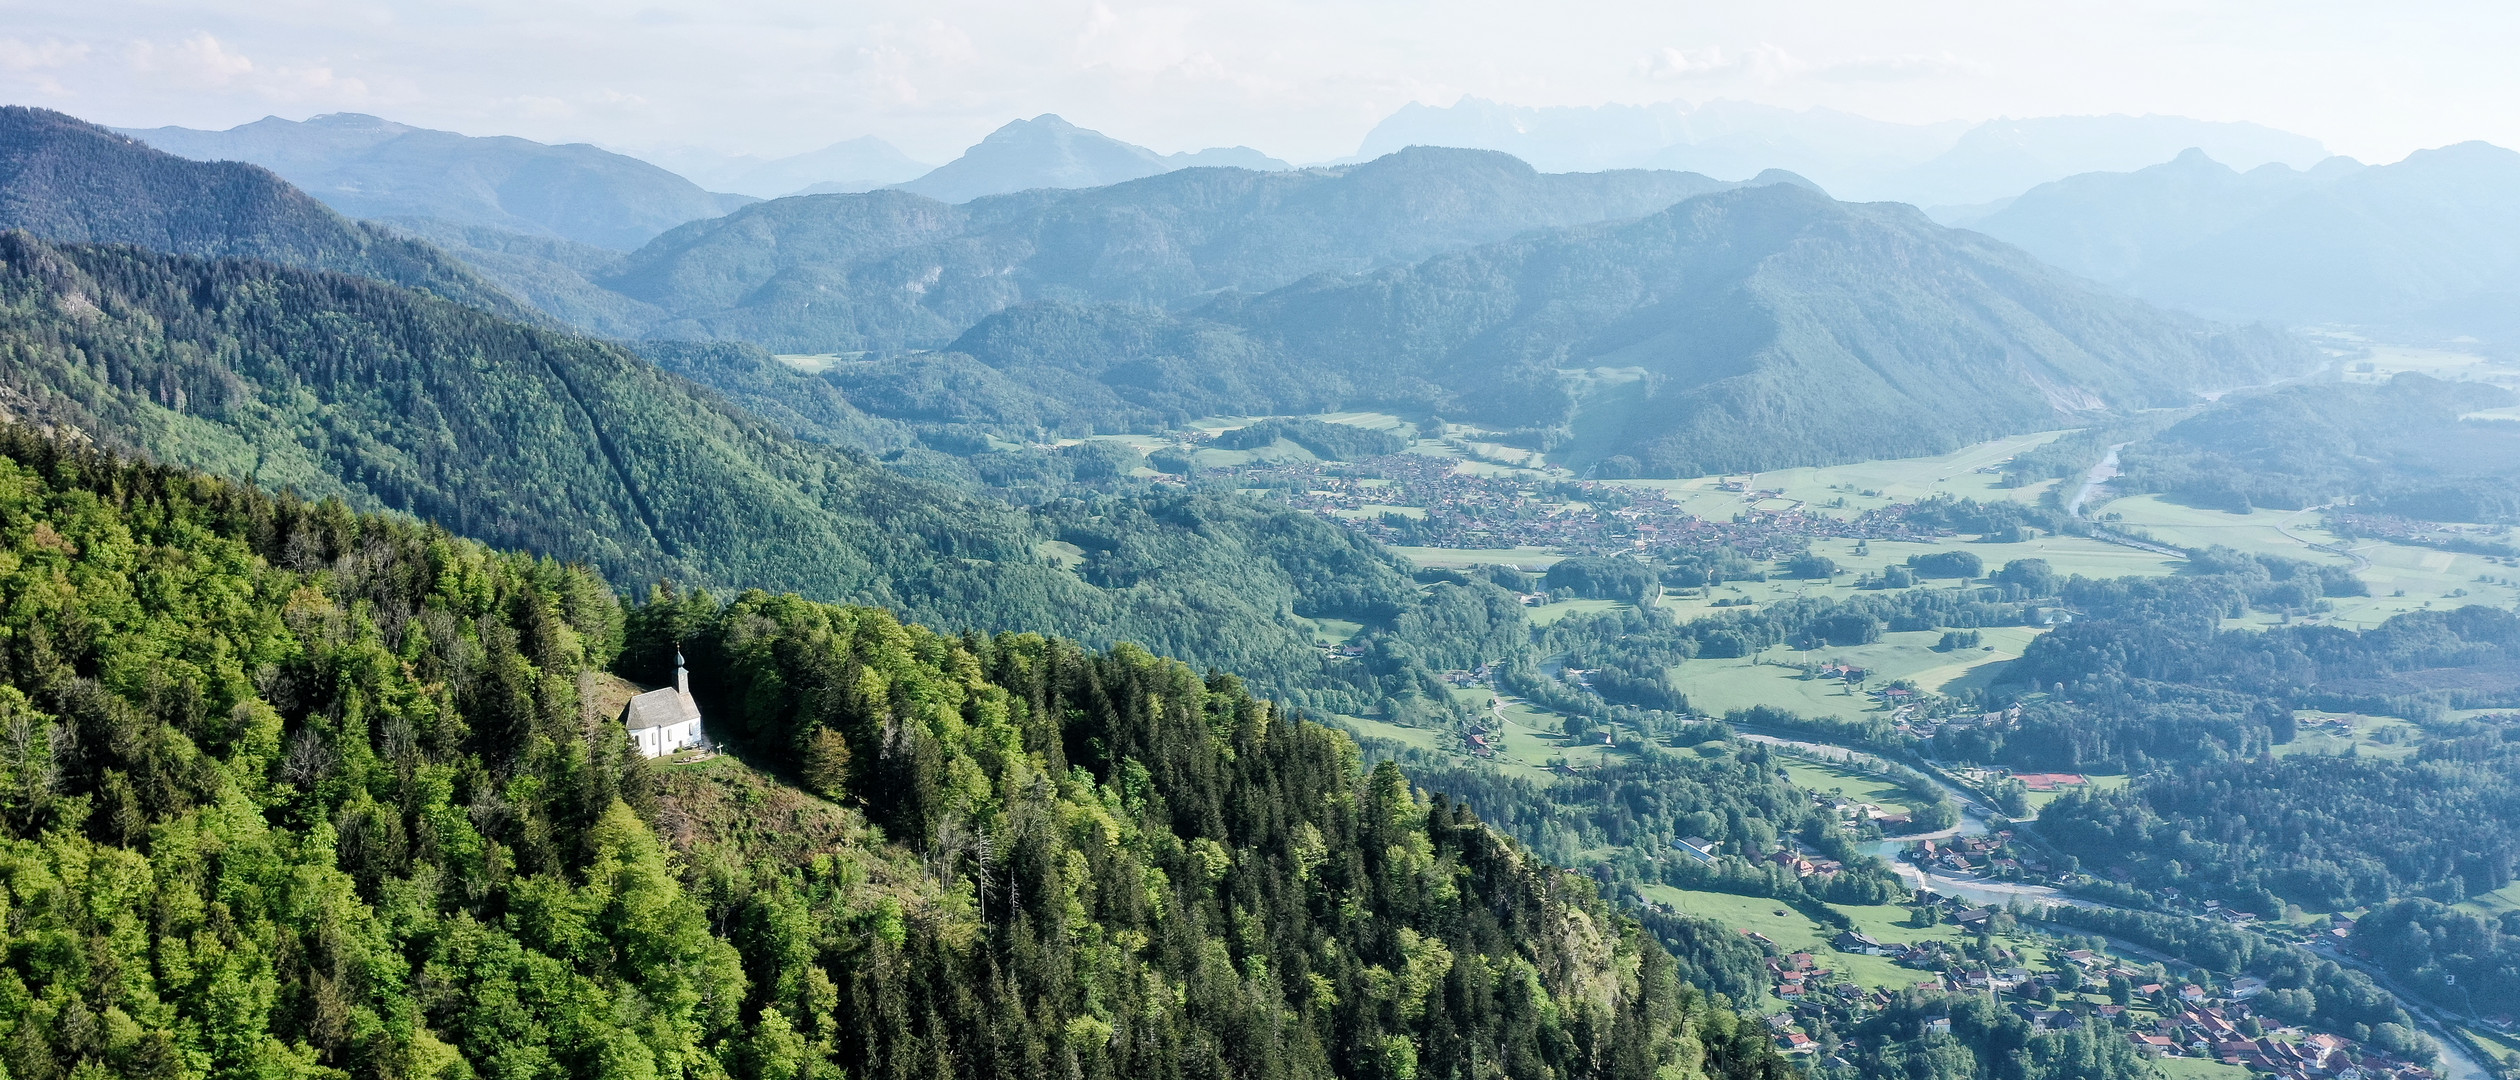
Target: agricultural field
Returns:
[[2069, 555], [1828, 779], [1795, 932], [1972, 472], [2040, 799], [1718, 686], [2402, 577]]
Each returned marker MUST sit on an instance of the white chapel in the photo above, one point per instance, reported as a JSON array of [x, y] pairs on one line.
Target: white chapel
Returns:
[[665, 721]]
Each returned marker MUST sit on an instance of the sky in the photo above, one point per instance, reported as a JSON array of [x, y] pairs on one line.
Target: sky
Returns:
[[1299, 79]]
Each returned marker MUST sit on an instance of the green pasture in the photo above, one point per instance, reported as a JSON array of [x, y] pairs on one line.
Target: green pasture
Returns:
[[2040, 799], [2197, 1068], [1718, 686], [1421, 738], [1970, 472], [1827, 779], [1545, 614], [2316, 737], [2428, 578], [2496, 902], [2068, 555]]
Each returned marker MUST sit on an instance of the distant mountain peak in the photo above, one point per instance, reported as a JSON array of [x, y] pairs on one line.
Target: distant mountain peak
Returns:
[[1049, 152]]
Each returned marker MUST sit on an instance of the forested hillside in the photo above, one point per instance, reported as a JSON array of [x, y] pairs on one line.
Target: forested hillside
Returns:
[[577, 449], [2399, 448], [1746, 329], [292, 791], [68, 180], [889, 269]]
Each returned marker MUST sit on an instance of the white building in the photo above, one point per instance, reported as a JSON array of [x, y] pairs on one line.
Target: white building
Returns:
[[664, 721]]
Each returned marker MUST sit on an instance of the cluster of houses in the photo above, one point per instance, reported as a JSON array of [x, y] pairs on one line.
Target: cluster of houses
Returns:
[[1465, 509], [1920, 726], [2213, 1032], [1991, 855]]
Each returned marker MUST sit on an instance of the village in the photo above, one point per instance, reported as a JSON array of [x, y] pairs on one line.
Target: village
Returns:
[[1470, 510], [2160, 1015]]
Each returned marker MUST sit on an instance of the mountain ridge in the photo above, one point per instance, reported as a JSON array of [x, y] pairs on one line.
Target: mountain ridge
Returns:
[[369, 167], [1728, 332]]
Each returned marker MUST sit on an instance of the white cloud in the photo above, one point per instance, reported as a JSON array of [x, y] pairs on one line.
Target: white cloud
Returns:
[[201, 63], [16, 55], [198, 61], [1761, 63]]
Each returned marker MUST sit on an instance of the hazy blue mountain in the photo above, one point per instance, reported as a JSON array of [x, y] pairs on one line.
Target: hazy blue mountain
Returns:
[[1048, 152], [2006, 157], [65, 179], [1751, 328], [1719, 138], [1225, 157], [860, 164], [2109, 226], [1852, 156], [1043, 152], [889, 269], [373, 168], [2430, 244]]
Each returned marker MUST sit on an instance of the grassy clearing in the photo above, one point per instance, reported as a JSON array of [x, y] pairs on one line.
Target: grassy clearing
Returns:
[[2069, 555], [1718, 686], [2197, 1068], [1795, 932], [2496, 902], [2040, 799], [1890, 481], [1421, 738], [1549, 613], [2403, 578], [2372, 736], [1829, 779]]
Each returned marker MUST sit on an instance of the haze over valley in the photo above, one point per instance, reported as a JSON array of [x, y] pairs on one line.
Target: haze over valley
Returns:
[[999, 542]]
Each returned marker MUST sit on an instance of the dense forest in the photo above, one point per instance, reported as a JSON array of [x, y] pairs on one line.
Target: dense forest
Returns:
[[295, 791], [2397, 448], [2326, 832], [66, 179], [2460, 960], [2149, 676], [333, 385]]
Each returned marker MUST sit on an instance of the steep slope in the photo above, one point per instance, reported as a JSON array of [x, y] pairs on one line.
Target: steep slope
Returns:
[[372, 168], [1751, 328], [297, 792], [887, 269], [65, 179], [580, 450]]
